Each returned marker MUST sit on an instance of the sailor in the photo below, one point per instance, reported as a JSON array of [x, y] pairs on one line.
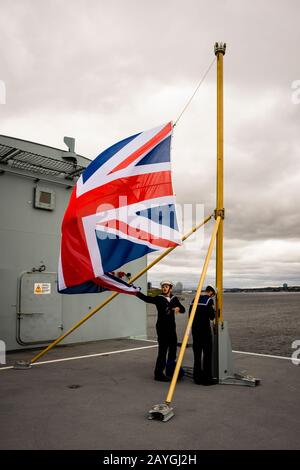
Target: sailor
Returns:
[[202, 337], [167, 306]]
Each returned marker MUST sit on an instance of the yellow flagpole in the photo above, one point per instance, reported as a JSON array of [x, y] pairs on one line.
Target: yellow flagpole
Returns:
[[111, 297], [220, 49], [193, 312]]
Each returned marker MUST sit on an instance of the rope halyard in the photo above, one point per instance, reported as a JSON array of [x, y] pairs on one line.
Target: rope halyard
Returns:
[[195, 91]]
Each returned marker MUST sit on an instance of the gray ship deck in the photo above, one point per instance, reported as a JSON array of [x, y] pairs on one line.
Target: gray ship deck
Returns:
[[101, 402]]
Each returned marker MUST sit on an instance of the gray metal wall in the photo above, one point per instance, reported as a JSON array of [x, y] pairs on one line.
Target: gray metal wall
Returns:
[[30, 237]]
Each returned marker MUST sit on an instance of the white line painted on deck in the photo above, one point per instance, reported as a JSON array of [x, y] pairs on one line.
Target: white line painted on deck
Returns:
[[86, 356], [138, 349], [137, 338], [267, 355], [239, 352]]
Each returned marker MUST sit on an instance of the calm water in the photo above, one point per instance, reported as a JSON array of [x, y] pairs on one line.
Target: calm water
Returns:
[[260, 322]]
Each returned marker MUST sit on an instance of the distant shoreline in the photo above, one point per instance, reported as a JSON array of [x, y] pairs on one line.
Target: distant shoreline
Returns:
[[234, 290], [263, 289]]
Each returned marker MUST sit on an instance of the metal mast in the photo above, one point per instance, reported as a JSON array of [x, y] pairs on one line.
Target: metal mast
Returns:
[[220, 52]]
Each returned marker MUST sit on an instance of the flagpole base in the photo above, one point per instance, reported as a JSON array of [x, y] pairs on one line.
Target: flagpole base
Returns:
[[224, 363], [161, 412], [22, 365], [240, 379]]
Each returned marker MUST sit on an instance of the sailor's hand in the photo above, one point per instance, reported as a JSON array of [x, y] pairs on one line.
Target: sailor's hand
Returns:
[[176, 310]]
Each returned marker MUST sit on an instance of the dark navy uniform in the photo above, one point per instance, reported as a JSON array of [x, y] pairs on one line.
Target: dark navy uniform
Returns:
[[165, 328], [202, 338]]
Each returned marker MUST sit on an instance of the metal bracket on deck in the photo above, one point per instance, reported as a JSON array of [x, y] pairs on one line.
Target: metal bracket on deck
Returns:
[[162, 412], [224, 368], [240, 379], [22, 365]]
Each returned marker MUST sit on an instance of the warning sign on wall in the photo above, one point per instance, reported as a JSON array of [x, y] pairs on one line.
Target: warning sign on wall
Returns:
[[42, 288]]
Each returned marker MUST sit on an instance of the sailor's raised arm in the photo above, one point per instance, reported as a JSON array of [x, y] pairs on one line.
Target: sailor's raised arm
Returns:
[[146, 298]]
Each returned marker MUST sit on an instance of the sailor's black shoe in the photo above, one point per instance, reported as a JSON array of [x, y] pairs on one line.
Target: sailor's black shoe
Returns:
[[162, 378], [210, 381], [205, 381]]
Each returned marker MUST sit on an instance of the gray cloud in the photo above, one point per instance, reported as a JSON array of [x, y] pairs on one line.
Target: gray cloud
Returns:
[[102, 70]]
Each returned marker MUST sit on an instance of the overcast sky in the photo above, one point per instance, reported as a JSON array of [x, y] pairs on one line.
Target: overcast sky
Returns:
[[100, 70]]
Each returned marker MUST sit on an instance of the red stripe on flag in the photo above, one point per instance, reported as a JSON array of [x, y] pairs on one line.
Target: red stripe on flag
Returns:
[[125, 191], [75, 257], [137, 233], [147, 146], [106, 283]]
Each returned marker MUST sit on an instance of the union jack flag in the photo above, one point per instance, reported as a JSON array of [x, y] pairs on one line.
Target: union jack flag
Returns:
[[122, 207]]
